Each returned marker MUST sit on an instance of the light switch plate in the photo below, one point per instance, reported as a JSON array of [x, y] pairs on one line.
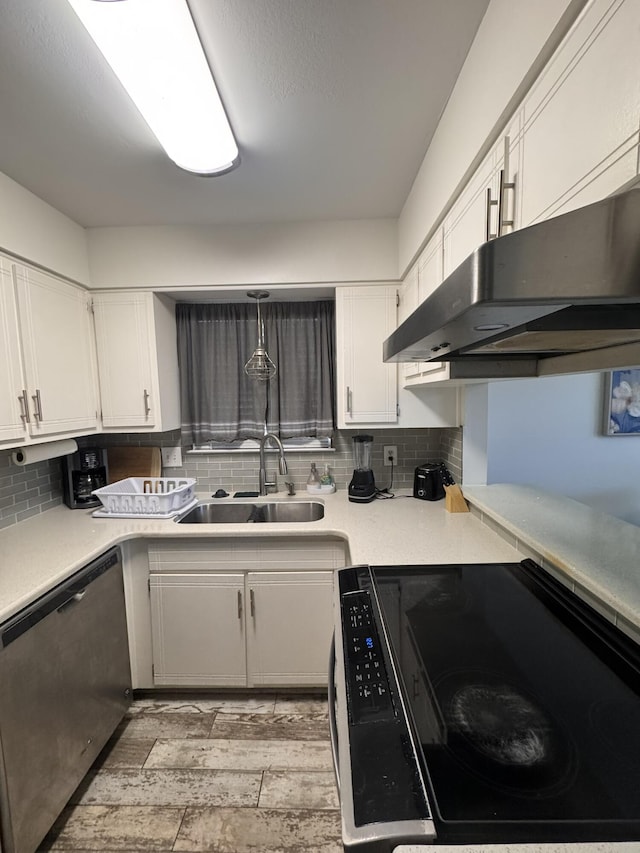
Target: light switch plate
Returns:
[[171, 457]]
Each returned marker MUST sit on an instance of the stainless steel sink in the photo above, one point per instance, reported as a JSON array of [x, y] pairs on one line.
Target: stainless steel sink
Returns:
[[216, 513], [283, 513], [287, 512]]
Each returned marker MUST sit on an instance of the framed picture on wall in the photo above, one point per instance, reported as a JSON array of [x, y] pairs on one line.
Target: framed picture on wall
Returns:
[[622, 402]]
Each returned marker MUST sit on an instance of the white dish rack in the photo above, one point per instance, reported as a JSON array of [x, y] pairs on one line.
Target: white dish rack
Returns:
[[146, 497]]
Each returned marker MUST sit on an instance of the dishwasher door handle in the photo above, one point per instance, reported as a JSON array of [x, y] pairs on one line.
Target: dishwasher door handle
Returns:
[[77, 596]]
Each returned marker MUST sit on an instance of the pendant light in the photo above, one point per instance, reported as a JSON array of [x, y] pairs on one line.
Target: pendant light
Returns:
[[260, 366]]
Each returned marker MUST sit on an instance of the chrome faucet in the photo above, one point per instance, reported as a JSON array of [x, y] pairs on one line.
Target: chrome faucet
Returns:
[[264, 485]]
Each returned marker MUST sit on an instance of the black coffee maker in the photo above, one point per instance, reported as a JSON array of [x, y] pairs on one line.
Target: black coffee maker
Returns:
[[82, 472]]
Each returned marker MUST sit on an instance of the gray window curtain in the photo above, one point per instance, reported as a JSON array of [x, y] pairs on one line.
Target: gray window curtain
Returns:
[[221, 403]]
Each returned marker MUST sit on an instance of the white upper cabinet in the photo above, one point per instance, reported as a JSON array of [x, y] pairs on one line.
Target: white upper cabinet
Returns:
[[137, 361], [409, 299], [582, 116], [366, 386], [48, 378], [59, 354], [12, 393], [574, 139], [485, 209], [429, 272]]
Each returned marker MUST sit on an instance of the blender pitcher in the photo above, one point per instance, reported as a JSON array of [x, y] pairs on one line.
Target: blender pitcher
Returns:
[[362, 487]]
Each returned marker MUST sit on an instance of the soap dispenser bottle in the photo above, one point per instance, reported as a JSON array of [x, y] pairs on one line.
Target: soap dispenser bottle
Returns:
[[313, 482], [327, 478]]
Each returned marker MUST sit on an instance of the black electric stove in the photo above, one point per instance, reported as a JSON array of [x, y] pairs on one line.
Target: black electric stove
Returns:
[[520, 703]]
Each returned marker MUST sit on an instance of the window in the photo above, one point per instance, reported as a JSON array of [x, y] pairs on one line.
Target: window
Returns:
[[221, 403]]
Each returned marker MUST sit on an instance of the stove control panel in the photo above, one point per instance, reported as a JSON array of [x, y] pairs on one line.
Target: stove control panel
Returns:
[[367, 682]]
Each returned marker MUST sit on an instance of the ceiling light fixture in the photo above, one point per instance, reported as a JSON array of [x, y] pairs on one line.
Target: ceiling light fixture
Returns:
[[154, 50]]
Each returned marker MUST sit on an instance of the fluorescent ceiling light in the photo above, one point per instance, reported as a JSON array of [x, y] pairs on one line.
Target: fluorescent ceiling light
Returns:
[[154, 49]]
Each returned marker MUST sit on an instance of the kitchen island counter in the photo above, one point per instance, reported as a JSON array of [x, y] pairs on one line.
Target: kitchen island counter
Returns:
[[44, 550]]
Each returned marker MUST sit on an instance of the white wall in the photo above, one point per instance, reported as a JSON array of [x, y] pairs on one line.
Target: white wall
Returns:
[[514, 40], [174, 257], [35, 231], [547, 432]]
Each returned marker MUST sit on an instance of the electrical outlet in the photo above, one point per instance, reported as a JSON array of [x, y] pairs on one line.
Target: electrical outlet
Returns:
[[171, 457], [390, 454]]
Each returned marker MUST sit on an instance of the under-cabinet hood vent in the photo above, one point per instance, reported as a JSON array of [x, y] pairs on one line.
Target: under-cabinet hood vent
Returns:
[[562, 296]]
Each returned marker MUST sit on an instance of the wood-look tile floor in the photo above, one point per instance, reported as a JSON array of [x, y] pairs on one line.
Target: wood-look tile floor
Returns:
[[227, 774]]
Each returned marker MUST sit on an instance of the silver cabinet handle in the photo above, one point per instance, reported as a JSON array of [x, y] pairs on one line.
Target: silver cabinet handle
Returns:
[[24, 406], [500, 201], [491, 202], [504, 186], [147, 407], [349, 400], [252, 603], [37, 402], [239, 604]]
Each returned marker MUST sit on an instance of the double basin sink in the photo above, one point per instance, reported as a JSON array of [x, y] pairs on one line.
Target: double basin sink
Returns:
[[241, 513]]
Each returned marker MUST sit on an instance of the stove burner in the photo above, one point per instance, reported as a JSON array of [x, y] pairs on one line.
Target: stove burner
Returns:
[[502, 734], [502, 724]]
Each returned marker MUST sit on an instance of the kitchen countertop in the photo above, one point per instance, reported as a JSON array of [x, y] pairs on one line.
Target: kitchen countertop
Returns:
[[44, 550], [597, 553], [593, 552]]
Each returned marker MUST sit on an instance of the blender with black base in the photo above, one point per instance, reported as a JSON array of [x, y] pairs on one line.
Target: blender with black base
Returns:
[[362, 487]]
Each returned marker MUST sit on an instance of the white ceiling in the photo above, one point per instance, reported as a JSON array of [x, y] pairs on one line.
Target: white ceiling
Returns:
[[333, 104]]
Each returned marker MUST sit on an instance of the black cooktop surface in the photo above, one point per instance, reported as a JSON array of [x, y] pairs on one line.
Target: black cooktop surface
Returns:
[[525, 701]]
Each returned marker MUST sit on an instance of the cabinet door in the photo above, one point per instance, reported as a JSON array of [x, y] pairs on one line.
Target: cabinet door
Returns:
[[137, 361], [409, 301], [289, 627], [12, 392], [125, 342], [472, 219], [430, 276], [197, 628], [582, 117], [367, 387], [59, 354]]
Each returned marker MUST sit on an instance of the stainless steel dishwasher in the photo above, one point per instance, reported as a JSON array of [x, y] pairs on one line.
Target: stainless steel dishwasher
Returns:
[[65, 684]]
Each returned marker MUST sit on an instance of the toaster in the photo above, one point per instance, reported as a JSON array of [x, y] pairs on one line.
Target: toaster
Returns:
[[428, 484]]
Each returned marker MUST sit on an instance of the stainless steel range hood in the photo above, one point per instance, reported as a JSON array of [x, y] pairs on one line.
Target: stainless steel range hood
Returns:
[[562, 296]]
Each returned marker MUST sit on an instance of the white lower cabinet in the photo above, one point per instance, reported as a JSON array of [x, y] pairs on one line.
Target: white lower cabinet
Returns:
[[222, 614], [197, 629], [289, 626]]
